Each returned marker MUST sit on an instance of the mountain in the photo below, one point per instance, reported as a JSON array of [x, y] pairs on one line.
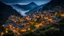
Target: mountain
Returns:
[[36, 9], [25, 7], [54, 3], [5, 12], [22, 9]]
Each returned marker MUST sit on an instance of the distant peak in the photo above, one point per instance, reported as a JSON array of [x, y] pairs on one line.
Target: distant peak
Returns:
[[32, 3]]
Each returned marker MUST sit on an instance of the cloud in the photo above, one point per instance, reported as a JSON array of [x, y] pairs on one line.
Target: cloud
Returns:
[[18, 1], [24, 2], [20, 11]]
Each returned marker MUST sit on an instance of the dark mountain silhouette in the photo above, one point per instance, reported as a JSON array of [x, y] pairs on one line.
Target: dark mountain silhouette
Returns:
[[25, 7], [61, 25], [5, 12], [54, 3]]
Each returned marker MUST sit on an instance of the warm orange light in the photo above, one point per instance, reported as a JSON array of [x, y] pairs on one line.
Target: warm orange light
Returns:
[[40, 24], [37, 26], [10, 26], [16, 29], [62, 15], [45, 17], [50, 19], [2, 33], [56, 13], [6, 31], [28, 29], [31, 22], [3, 25], [42, 15], [37, 16], [23, 30], [28, 18], [25, 24]]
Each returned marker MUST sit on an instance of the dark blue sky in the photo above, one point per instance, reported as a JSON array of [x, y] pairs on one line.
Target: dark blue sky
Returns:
[[22, 2]]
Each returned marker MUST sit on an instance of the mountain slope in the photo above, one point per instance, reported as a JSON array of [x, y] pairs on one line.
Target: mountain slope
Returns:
[[53, 4], [38, 8], [5, 12], [22, 9], [25, 7]]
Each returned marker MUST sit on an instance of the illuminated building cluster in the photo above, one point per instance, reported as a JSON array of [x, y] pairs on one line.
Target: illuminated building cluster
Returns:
[[32, 22]]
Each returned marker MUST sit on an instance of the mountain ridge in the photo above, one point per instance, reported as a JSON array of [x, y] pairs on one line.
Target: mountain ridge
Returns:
[[38, 8], [5, 12], [53, 4], [26, 7]]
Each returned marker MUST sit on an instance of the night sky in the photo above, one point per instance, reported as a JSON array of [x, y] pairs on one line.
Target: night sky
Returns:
[[22, 2]]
